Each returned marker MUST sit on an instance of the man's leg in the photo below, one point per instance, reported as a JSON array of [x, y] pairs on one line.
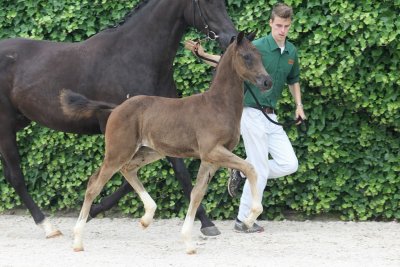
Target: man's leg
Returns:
[[261, 137], [284, 160]]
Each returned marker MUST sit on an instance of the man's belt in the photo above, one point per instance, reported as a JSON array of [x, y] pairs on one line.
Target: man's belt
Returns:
[[268, 110]]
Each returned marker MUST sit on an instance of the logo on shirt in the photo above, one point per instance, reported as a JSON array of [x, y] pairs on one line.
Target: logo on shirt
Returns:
[[291, 62]]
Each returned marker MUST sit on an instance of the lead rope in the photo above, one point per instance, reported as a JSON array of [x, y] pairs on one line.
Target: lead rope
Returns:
[[302, 127]]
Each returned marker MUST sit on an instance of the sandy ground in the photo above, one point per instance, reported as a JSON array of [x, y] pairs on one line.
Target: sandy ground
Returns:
[[121, 242]]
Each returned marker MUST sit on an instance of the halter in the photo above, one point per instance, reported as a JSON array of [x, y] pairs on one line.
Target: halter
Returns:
[[211, 35]]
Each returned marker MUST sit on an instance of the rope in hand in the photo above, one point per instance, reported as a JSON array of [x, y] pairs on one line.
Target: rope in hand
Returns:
[[196, 52], [301, 127]]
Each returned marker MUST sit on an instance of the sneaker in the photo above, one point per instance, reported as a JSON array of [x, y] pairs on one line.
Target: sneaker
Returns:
[[240, 227], [234, 181]]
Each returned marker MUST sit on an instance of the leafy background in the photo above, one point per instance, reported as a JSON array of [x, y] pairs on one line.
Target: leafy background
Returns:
[[349, 159]]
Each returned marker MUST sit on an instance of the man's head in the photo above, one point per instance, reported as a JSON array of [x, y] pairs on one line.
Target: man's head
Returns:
[[281, 19]]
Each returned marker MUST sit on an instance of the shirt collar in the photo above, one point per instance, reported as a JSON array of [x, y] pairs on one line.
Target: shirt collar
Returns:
[[272, 44]]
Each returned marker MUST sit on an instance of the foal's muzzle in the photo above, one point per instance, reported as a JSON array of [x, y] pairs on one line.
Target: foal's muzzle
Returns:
[[264, 82]]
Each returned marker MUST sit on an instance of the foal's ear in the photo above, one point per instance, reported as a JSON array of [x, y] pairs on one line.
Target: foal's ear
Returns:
[[251, 36], [233, 38], [240, 37]]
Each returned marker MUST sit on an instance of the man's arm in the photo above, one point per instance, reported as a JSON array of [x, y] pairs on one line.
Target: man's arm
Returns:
[[296, 93], [196, 47]]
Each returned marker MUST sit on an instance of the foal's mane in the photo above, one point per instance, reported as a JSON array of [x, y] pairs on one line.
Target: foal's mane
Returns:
[[228, 50]]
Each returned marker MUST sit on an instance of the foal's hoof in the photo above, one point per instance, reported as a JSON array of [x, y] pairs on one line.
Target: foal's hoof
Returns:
[[54, 234], [191, 251], [210, 231], [143, 224], [78, 249]]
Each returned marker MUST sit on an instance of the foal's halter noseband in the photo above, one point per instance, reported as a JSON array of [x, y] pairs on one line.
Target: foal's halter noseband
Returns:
[[210, 34]]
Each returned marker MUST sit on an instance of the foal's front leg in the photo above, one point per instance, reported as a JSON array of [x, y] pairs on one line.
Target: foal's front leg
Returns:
[[206, 172], [226, 158], [208, 228]]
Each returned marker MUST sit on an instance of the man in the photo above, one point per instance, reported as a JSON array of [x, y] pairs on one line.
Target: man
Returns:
[[260, 136]]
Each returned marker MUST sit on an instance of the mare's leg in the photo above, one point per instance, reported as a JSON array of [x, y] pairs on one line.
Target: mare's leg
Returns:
[[206, 172], [12, 170], [142, 157], [110, 201], [223, 157], [182, 174]]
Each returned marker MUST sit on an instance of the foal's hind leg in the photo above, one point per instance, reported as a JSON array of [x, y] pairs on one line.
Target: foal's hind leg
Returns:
[[144, 156], [206, 172], [95, 184]]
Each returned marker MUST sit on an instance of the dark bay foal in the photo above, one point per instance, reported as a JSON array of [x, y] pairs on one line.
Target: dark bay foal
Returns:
[[204, 126]]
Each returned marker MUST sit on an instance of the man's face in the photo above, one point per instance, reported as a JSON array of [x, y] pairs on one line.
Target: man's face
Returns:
[[280, 28]]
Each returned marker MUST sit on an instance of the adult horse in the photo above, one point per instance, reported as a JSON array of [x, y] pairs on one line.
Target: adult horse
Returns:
[[137, 133], [134, 58]]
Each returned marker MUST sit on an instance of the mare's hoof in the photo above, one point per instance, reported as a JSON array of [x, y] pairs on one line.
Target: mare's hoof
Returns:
[[89, 218], [210, 231], [54, 234]]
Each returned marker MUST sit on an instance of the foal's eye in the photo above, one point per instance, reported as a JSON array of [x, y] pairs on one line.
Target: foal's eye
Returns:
[[248, 60], [247, 57]]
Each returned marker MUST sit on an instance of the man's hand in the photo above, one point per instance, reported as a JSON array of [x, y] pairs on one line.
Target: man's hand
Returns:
[[194, 47], [300, 113], [198, 51]]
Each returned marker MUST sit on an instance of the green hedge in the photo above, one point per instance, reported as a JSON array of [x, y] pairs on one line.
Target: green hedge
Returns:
[[349, 160]]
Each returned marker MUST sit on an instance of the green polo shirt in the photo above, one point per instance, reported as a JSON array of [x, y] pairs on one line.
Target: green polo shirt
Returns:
[[283, 68]]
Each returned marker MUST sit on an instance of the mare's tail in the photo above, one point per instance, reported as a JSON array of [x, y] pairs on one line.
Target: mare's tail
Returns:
[[78, 106]]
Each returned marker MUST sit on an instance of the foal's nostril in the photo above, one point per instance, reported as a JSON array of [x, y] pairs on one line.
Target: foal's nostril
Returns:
[[268, 83]]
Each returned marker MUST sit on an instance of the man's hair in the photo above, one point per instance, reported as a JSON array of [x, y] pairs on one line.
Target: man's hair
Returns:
[[281, 10]]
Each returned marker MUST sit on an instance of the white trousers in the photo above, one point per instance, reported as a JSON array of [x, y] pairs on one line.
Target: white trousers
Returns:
[[261, 137]]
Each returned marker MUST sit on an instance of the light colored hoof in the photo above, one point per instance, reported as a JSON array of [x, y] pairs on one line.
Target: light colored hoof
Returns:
[[54, 234], [78, 249], [191, 251], [249, 223], [145, 222], [77, 246], [142, 224]]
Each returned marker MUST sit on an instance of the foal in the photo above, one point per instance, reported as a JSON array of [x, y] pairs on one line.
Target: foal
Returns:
[[144, 129]]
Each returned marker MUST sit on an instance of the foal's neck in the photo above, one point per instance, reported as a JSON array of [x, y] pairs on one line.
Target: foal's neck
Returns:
[[227, 84]]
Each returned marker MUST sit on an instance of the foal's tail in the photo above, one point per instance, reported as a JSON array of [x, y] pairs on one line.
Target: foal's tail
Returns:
[[78, 106]]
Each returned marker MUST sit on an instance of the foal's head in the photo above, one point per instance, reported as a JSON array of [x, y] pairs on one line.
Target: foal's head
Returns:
[[248, 64]]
